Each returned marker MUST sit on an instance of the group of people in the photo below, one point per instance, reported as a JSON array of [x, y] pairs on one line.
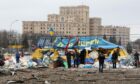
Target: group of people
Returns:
[[76, 57], [17, 57], [79, 57], [114, 59]]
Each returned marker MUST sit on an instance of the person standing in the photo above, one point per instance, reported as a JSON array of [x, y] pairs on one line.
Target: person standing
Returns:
[[17, 57], [136, 58], [68, 56], [101, 58], [76, 58], [82, 56], [1, 59], [1, 56], [115, 57]]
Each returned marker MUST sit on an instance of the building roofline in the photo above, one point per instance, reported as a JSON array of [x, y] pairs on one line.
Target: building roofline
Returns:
[[74, 6]]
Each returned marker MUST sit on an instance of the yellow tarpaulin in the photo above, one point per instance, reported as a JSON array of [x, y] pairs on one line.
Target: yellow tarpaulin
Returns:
[[55, 55], [15, 46], [122, 52], [37, 54]]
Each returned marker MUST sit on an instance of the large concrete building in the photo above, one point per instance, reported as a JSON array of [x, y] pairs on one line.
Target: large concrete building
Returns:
[[70, 21], [75, 20], [38, 27]]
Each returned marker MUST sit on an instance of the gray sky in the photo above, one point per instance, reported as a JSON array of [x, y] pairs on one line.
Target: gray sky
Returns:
[[112, 12]]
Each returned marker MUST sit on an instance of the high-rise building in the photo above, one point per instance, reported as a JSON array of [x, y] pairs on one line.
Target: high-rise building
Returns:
[[75, 21]]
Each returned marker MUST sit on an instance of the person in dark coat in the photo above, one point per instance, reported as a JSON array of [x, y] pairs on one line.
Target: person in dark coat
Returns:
[[115, 57], [136, 58], [68, 56], [82, 56], [1, 59], [17, 57], [1, 56], [76, 58], [101, 58]]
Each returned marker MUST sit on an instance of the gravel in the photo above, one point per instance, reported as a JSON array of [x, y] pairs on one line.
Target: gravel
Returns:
[[71, 76]]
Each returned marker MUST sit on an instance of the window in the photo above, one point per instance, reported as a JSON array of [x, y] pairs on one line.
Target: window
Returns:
[[56, 25], [62, 19]]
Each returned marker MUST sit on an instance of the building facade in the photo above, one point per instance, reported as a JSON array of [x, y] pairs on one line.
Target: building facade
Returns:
[[71, 21], [121, 33], [75, 21], [95, 26], [37, 27]]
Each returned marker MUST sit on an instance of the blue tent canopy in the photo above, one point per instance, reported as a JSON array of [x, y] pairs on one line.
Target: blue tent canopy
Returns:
[[83, 42]]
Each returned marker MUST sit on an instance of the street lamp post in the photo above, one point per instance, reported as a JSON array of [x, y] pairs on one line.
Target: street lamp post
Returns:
[[12, 24], [11, 35]]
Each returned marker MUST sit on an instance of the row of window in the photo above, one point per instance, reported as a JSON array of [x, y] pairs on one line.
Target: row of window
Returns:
[[55, 24], [62, 27], [35, 24], [69, 12], [53, 28], [67, 32]]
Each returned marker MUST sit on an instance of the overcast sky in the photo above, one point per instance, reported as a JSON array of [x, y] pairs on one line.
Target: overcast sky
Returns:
[[112, 12]]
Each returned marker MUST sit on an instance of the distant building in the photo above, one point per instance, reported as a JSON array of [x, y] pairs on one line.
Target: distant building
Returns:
[[71, 21], [38, 27], [95, 26], [75, 20], [121, 33]]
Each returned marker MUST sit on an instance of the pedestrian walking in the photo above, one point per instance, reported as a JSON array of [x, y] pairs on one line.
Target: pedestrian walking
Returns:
[[136, 58], [115, 57]]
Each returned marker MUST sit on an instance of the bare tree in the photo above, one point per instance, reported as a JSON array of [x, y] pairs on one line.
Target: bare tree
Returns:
[[4, 42]]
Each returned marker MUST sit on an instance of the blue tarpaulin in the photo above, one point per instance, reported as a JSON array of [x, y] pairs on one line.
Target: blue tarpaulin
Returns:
[[83, 42]]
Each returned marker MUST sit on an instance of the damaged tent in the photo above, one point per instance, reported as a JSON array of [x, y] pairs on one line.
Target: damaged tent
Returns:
[[90, 42], [87, 42]]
